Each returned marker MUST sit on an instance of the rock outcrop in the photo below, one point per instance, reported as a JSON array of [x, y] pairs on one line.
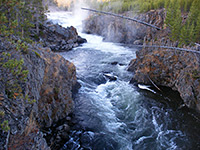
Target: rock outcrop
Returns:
[[51, 81], [166, 67], [115, 29], [179, 70], [57, 37]]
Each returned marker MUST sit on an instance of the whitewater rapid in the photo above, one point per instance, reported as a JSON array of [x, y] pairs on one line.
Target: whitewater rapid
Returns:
[[116, 115]]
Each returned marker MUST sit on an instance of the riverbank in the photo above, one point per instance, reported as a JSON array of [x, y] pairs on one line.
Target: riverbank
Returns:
[[119, 30], [115, 115], [51, 81], [178, 70]]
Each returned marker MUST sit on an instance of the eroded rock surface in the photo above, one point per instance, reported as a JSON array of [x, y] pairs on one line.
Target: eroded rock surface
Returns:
[[179, 70], [59, 38], [51, 81], [115, 29]]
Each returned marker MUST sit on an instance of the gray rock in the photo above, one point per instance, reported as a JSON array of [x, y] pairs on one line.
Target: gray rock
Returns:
[[50, 82], [122, 31], [59, 38], [138, 42]]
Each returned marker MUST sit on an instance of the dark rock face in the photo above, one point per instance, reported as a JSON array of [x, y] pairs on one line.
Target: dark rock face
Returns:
[[178, 70], [59, 38], [123, 31], [50, 82]]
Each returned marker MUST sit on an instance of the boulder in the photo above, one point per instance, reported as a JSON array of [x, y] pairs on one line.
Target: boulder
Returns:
[[59, 38]]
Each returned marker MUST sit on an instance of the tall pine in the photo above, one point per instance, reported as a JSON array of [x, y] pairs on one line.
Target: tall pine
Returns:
[[197, 30], [18, 16], [173, 19]]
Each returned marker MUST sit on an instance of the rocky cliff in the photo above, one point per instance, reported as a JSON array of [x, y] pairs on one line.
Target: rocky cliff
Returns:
[[50, 82], [115, 29], [165, 67], [179, 70]]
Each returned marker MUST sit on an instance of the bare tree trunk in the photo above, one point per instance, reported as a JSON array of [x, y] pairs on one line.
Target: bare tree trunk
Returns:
[[124, 17], [37, 21]]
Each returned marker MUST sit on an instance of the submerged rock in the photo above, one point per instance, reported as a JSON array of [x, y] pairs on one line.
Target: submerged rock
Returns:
[[111, 77]]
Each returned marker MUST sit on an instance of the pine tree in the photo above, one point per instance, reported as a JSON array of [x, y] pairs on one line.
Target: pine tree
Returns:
[[186, 6], [194, 11], [18, 16], [197, 30], [192, 33], [183, 36], [173, 19], [169, 15]]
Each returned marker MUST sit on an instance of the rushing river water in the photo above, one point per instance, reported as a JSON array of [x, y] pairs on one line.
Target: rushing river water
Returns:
[[115, 115]]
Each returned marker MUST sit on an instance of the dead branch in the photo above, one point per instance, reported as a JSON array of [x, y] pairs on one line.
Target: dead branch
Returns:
[[167, 47], [124, 17], [153, 83]]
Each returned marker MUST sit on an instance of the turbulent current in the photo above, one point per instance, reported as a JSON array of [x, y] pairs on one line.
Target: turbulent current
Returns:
[[110, 113]]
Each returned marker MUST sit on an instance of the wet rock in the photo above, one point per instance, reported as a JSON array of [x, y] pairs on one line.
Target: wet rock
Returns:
[[177, 70], [114, 63], [124, 31], [81, 40], [110, 76], [59, 38], [138, 42]]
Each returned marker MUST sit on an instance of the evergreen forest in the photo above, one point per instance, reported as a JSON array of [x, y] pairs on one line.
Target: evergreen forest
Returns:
[[19, 17], [182, 17]]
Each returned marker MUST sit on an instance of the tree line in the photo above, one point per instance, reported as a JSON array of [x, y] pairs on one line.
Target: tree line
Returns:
[[184, 30], [17, 17], [182, 17]]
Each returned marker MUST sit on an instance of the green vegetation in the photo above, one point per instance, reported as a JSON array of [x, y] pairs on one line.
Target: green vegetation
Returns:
[[195, 74], [4, 126], [18, 19], [182, 18], [18, 16], [13, 76], [142, 5], [186, 32]]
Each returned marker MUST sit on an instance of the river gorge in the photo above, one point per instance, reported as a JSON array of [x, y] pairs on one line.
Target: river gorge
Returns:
[[112, 114]]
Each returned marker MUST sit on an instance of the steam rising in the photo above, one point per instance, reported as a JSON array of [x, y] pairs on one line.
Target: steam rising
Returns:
[[73, 14], [67, 3], [64, 3]]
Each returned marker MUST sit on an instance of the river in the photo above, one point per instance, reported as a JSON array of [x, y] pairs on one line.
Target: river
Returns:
[[110, 113]]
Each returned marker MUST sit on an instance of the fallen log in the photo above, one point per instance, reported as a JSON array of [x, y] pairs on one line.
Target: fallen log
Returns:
[[197, 44], [167, 47], [124, 17]]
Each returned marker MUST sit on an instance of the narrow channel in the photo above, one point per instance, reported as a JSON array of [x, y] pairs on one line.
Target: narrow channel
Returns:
[[110, 113]]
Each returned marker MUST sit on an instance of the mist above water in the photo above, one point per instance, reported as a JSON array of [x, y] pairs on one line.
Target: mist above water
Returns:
[[115, 115]]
